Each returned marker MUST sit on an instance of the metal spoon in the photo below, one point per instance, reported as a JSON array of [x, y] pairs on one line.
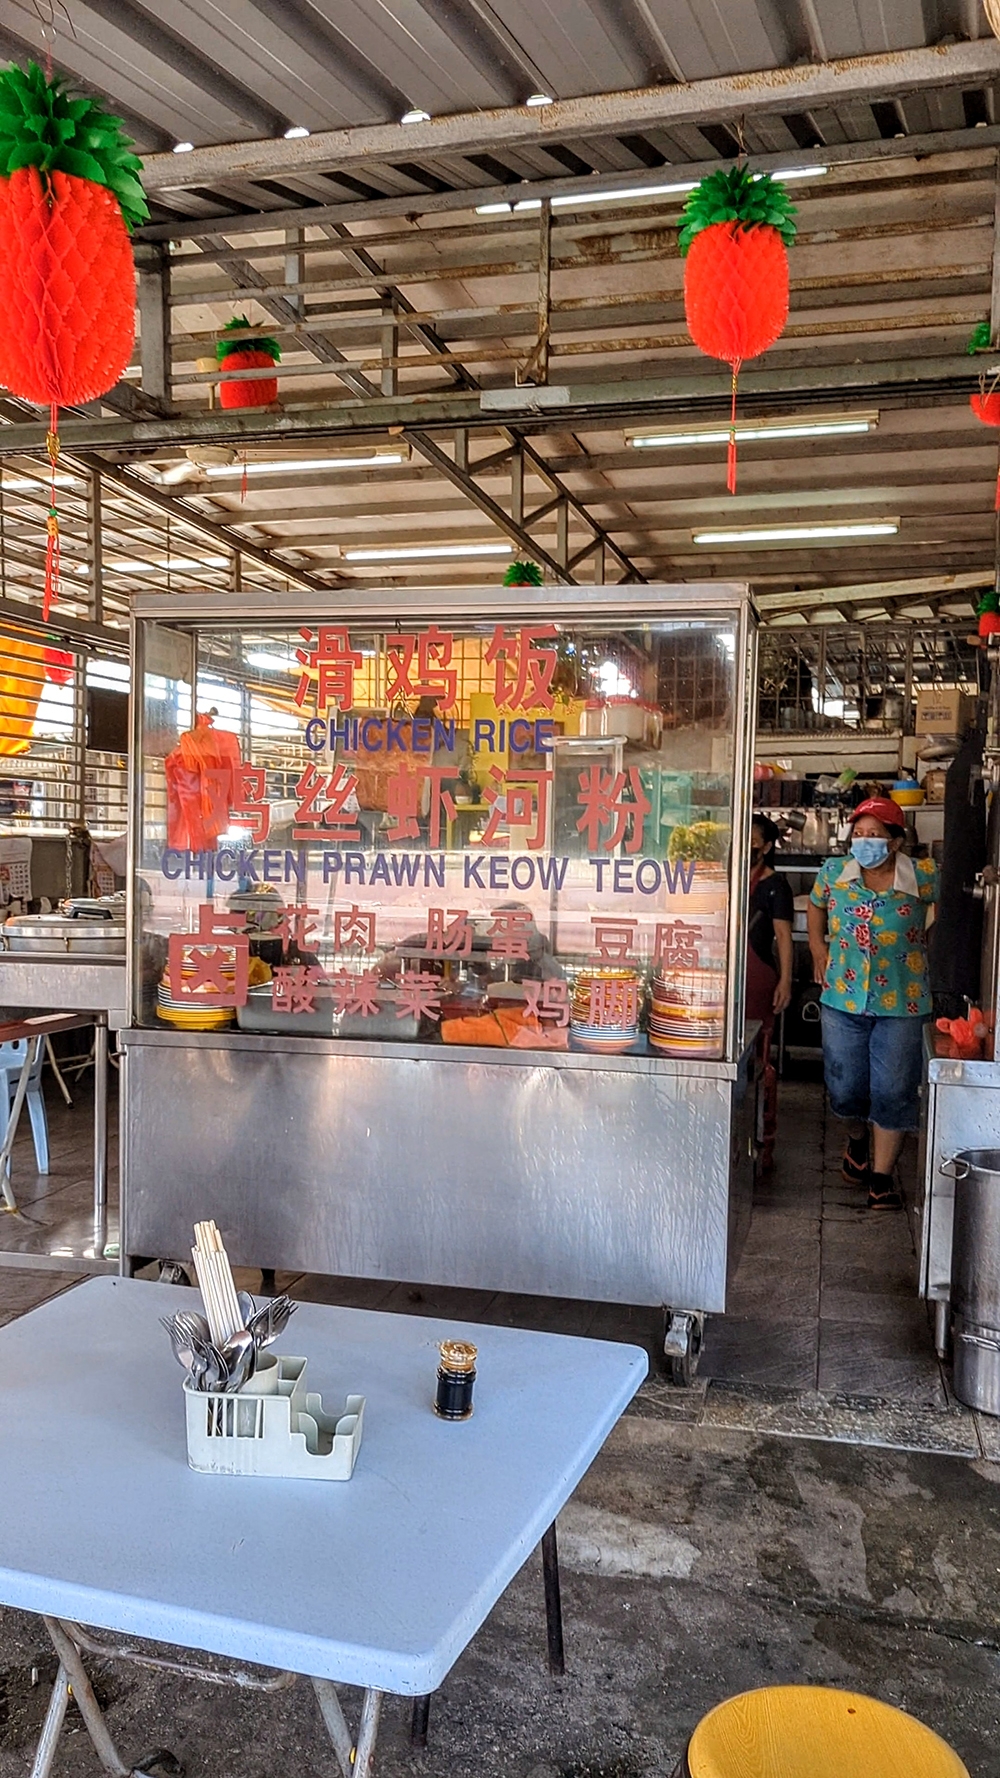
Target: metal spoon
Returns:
[[239, 1355]]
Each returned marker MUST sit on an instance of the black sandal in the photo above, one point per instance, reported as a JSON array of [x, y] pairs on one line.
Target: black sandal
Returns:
[[854, 1166], [882, 1193]]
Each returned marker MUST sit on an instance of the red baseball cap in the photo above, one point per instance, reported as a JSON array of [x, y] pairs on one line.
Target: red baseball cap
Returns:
[[883, 809]]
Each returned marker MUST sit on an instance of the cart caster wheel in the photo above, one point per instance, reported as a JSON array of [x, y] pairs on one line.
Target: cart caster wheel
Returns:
[[172, 1272], [161, 1763], [682, 1345]]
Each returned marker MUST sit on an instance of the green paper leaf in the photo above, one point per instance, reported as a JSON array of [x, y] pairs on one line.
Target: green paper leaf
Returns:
[[734, 194], [44, 124], [84, 166]]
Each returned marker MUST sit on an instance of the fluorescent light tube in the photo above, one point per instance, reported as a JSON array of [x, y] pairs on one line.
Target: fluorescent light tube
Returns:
[[582, 200], [427, 552], [793, 533], [176, 565], [757, 430], [301, 464], [25, 484]]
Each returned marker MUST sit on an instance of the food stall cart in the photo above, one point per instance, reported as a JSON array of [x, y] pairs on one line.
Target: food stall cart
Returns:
[[437, 910]]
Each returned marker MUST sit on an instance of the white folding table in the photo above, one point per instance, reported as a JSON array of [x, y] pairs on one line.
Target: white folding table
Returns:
[[379, 1582]]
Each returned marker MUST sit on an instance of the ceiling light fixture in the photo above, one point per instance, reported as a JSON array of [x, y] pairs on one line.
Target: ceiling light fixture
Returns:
[[183, 148], [801, 426], [294, 131], [795, 533], [175, 565], [536, 99], [29, 484], [427, 552], [416, 115], [284, 466], [582, 200], [272, 663]]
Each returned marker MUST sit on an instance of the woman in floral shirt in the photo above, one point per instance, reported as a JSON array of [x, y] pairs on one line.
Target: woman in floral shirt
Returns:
[[868, 922]]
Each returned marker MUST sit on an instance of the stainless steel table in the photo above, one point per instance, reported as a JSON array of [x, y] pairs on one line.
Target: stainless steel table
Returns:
[[70, 983]]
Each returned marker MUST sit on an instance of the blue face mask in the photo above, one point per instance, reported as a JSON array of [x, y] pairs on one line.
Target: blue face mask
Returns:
[[870, 852]]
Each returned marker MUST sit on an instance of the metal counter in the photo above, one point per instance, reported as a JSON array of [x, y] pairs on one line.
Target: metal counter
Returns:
[[962, 1111], [623, 1179], [63, 982]]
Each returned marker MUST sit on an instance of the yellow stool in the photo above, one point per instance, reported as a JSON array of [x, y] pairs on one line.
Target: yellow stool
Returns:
[[812, 1731]]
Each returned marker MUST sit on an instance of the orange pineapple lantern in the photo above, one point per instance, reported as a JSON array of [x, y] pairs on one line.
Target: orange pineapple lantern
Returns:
[[68, 197], [247, 354], [735, 232]]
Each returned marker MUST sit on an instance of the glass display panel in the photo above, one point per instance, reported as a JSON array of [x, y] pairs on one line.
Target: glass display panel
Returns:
[[487, 834]]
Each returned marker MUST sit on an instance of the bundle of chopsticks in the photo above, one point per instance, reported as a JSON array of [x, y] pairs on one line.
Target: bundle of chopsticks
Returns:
[[215, 1280]]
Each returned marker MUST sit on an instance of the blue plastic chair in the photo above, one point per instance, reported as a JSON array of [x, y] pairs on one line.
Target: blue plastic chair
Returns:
[[11, 1063]]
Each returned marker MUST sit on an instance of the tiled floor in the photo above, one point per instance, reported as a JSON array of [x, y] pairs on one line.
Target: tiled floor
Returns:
[[824, 1295]]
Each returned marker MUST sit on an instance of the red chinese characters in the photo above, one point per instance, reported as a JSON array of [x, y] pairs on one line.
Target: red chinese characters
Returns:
[[449, 932], [338, 815], [329, 658], [294, 987], [612, 1001], [517, 799], [605, 804], [412, 793], [508, 934], [354, 992], [675, 945], [210, 968], [548, 1002], [418, 995], [353, 928], [419, 666], [297, 927], [523, 668], [250, 805], [614, 939]]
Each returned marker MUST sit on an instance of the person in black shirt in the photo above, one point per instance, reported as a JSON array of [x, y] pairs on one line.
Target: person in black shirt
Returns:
[[769, 961]]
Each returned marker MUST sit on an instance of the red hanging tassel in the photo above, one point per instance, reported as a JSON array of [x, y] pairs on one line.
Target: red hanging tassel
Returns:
[[731, 454], [51, 594]]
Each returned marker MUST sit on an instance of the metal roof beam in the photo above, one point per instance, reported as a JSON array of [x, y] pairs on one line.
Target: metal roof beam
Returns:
[[142, 490], [667, 399], [877, 151], [650, 108]]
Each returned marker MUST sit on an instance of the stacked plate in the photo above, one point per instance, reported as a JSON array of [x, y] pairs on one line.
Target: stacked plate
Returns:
[[604, 1014], [187, 1015], [688, 1012]]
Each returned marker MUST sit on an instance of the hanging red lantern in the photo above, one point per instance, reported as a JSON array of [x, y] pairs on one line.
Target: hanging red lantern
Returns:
[[58, 664], [247, 354], [735, 232], [68, 197], [985, 402]]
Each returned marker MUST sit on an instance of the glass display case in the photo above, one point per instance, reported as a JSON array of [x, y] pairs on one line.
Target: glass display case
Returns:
[[496, 834], [497, 826]]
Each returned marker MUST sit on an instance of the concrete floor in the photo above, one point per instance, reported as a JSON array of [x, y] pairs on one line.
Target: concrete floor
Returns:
[[713, 1546]]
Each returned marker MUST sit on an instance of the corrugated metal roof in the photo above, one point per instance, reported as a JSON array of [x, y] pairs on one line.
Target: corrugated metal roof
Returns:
[[893, 267], [219, 71]]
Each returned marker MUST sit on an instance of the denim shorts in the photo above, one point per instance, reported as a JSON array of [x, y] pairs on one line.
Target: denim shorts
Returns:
[[873, 1067]]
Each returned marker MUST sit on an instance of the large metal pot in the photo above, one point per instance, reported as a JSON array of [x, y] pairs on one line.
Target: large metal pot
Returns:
[[975, 1276], [44, 934]]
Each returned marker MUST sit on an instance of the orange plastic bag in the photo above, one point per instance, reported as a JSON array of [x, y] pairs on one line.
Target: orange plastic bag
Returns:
[[202, 776]]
